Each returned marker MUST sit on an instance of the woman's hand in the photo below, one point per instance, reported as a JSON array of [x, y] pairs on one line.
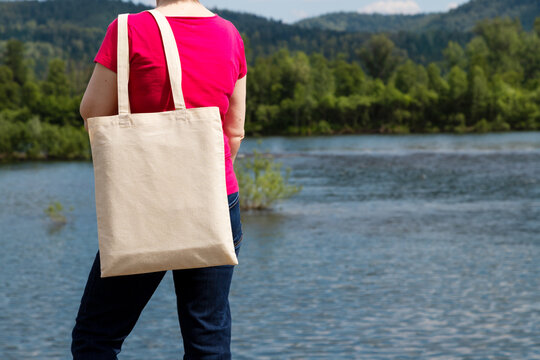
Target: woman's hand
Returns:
[[101, 96]]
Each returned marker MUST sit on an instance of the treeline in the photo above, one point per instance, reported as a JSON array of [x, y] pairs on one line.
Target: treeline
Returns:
[[491, 84], [38, 119]]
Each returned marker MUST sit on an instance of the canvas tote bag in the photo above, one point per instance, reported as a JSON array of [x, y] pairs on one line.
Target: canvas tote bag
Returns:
[[161, 196]]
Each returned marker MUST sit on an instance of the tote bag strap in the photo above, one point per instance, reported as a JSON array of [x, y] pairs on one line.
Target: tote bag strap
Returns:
[[172, 58], [122, 61]]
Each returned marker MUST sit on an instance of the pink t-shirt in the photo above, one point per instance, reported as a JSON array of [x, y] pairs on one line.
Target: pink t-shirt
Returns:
[[212, 56]]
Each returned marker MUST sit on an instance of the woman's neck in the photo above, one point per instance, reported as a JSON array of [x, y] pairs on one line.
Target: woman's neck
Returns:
[[182, 8], [173, 2]]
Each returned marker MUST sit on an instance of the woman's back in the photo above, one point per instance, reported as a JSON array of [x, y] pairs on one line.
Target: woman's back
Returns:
[[213, 69], [212, 56]]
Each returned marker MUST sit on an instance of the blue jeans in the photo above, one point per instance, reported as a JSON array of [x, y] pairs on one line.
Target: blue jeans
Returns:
[[111, 306]]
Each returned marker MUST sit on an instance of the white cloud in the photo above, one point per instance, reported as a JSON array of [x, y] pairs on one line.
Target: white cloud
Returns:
[[392, 7], [299, 14], [452, 5]]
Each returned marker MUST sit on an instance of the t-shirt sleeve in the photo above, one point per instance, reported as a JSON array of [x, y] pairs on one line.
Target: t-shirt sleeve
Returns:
[[106, 54], [242, 71]]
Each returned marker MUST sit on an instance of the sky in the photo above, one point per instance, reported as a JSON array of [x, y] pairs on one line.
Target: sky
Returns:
[[293, 10]]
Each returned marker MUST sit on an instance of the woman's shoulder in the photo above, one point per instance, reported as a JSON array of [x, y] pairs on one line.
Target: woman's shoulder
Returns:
[[231, 26], [144, 20]]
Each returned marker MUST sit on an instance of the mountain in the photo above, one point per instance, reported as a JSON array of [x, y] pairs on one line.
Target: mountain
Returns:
[[73, 30], [356, 22], [462, 18]]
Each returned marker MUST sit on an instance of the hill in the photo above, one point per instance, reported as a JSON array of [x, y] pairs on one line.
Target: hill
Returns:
[[356, 22], [73, 30], [462, 18]]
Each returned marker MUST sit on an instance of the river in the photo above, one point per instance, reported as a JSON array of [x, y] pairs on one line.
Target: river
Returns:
[[397, 247]]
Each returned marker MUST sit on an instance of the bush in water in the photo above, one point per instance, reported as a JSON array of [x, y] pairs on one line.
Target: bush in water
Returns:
[[261, 181]]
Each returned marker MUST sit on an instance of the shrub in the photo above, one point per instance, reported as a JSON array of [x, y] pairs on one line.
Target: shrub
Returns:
[[54, 211], [261, 181], [35, 139], [482, 126]]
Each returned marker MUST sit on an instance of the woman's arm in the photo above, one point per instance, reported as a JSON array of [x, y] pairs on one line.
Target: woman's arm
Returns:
[[101, 96], [235, 117]]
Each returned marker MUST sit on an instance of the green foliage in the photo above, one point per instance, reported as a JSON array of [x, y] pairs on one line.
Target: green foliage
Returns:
[[261, 181], [73, 30], [362, 83], [409, 76], [25, 136], [57, 83], [348, 77], [55, 212], [454, 55], [482, 126], [379, 56], [456, 123], [291, 93], [14, 59], [10, 94], [479, 94], [501, 43]]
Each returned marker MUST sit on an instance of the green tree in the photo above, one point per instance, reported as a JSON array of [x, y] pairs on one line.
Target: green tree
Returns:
[[502, 36], [514, 106], [454, 55], [379, 56], [409, 75], [14, 59], [479, 95], [9, 89], [31, 94], [478, 54], [530, 59], [457, 81], [537, 26], [349, 77], [57, 83], [322, 77], [56, 104], [435, 81]]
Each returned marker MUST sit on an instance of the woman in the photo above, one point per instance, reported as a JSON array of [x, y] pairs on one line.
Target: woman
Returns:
[[213, 74]]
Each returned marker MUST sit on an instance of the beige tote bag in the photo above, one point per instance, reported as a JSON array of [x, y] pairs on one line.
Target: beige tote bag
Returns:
[[161, 196]]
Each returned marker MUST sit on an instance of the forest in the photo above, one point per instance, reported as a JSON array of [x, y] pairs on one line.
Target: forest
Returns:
[[461, 18], [72, 30], [489, 83]]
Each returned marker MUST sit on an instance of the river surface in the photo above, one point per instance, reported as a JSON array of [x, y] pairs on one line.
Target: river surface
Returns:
[[397, 247]]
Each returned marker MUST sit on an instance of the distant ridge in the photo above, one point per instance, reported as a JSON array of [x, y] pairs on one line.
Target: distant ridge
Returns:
[[73, 30], [462, 18]]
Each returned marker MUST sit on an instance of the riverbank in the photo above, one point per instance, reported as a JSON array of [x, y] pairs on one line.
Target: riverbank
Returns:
[[77, 148]]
